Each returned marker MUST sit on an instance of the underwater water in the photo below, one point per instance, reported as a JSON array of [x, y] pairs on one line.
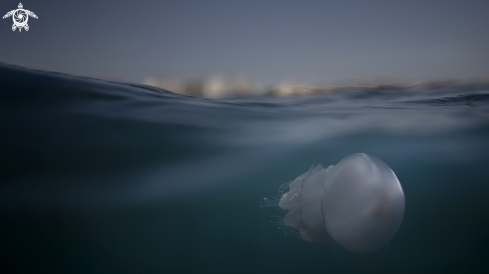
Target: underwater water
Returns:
[[108, 177]]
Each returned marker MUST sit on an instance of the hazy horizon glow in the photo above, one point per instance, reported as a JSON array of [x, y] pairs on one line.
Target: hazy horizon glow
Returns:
[[269, 41]]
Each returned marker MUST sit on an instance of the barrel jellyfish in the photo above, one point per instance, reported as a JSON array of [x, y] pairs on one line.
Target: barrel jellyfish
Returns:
[[357, 204]]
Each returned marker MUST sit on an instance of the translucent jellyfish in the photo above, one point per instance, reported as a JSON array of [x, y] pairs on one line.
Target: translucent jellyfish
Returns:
[[358, 204]]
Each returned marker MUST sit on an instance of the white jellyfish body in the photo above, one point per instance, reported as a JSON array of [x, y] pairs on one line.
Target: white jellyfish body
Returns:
[[359, 204]]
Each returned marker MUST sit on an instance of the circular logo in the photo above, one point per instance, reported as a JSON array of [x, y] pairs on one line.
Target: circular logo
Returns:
[[20, 17]]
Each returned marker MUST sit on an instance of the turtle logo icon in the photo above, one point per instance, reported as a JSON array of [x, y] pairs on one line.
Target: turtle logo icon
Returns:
[[20, 17]]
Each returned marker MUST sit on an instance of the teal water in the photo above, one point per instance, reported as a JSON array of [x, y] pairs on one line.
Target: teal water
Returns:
[[108, 177]]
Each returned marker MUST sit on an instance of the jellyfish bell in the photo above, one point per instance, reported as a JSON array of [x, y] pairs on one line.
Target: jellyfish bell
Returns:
[[363, 203], [358, 204]]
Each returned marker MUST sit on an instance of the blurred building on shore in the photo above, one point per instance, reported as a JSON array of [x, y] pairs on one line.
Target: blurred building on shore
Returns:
[[217, 86], [220, 86], [189, 86]]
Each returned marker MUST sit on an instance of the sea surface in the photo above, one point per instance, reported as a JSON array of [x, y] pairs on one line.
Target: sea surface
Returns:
[[107, 177]]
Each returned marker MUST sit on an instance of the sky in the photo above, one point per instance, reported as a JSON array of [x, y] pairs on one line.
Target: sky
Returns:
[[268, 41]]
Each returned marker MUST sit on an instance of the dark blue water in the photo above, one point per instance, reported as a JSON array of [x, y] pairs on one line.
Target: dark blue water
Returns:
[[106, 177]]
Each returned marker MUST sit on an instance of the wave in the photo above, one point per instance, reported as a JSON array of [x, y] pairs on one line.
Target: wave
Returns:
[[65, 134]]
